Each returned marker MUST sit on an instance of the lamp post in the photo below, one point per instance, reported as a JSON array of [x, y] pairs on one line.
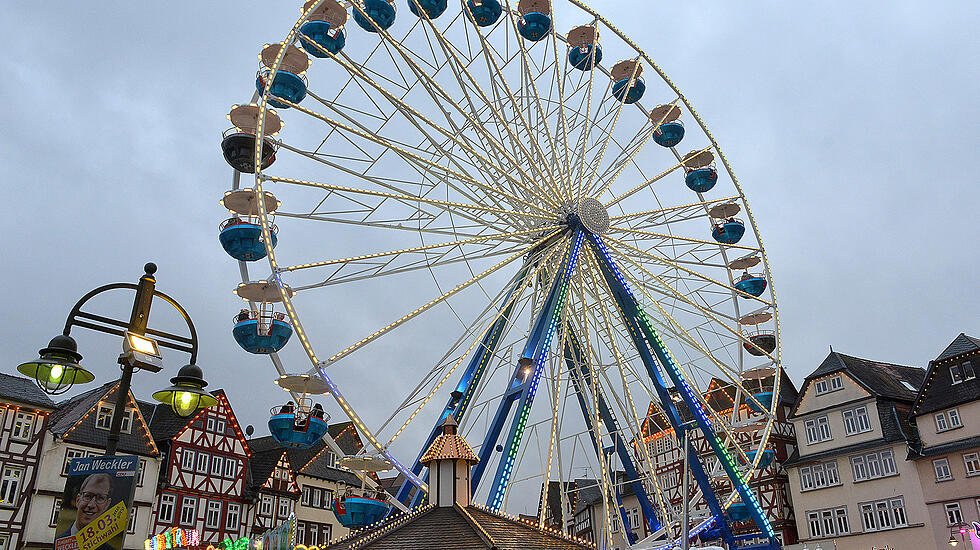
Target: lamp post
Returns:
[[57, 369]]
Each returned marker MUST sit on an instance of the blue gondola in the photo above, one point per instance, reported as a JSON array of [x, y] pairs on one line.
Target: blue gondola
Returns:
[[247, 335], [432, 8], [355, 512], [243, 240], [767, 457], [288, 433], [239, 151], [534, 26], [764, 398], [379, 11], [286, 85], [701, 179], [764, 340], [484, 12], [738, 511], [753, 285], [318, 32], [729, 231], [582, 58], [669, 134], [628, 94]]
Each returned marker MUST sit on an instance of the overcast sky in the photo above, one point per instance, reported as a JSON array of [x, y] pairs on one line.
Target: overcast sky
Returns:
[[852, 128]]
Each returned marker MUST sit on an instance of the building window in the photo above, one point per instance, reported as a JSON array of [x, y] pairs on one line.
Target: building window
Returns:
[[141, 473], [131, 528], [300, 532], [325, 533], [304, 500], [187, 460], [70, 454], [331, 459], [953, 514], [873, 465], [954, 418], [103, 419], [210, 424], [317, 496], [313, 535], [23, 426], [167, 503], [283, 507], [941, 467], [266, 505], [962, 372], [327, 498], [828, 385], [4, 542], [883, 514], [972, 463], [231, 468], [828, 522], [234, 512], [55, 510], [856, 420], [202, 462], [212, 515], [634, 518], [188, 511], [216, 463], [817, 430], [819, 476], [10, 485]]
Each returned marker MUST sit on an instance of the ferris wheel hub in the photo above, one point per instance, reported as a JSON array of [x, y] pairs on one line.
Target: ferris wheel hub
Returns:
[[593, 215]]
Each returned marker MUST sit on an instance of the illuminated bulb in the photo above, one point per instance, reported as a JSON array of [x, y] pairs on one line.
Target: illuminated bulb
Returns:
[[56, 372]]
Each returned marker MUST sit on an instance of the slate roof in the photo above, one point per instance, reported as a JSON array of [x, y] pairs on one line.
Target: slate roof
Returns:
[[265, 455], [960, 345], [939, 392], [69, 421], [345, 434], [456, 528], [946, 448], [23, 390]]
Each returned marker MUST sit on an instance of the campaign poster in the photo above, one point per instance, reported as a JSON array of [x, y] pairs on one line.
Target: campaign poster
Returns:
[[95, 508]]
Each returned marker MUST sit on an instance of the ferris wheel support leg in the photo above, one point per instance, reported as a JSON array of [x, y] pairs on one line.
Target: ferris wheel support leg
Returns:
[[524, 381], [461, 397], [581, 376], [645, 337]]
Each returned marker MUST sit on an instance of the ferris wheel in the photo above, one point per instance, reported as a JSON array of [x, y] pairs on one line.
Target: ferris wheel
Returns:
[[551, 245]]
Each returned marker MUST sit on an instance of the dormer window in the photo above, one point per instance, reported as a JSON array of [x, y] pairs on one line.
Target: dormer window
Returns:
[[103, 420], [962, 372], [827, 385]]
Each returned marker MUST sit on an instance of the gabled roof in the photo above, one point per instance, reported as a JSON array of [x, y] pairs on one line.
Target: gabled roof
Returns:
[[74, 421], [960, 345], [883, 380], [265, 455], [456, 528], [346, 437], [23, 390], [938, 392]]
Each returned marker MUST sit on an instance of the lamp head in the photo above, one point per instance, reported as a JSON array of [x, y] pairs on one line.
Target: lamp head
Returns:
[[187, 394], [57, 368]]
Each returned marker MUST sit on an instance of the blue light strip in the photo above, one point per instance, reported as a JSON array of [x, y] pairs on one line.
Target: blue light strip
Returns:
[[692, 401]]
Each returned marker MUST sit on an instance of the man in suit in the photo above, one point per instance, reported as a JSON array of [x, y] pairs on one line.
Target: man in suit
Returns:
[[93, 498]]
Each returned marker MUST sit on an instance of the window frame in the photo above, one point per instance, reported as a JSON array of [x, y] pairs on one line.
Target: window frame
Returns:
[[815, 428], [210, 509], [950, 415], [133, 518], [168, 501], [26, 429], [951, 509], [859, 419], [203, 462], [974, 459], [11, 485], [185, 456], [828, 385], [184, 501], [266, 505], [71, 450], [939, 463], [306, 496], [889, 510], [55, 510], [283, 508], [217, 465], [141, 473], [234, 511]]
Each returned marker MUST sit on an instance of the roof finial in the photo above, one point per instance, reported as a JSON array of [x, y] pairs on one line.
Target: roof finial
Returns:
[[831, 348]]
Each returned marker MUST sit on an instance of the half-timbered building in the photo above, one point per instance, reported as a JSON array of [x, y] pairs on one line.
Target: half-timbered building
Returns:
[[79, 427], [273, 485], [769, 483], [24, 414], [203, 482]]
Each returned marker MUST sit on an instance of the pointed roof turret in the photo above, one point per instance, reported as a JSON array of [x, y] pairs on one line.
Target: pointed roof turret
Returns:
[[449, 445]]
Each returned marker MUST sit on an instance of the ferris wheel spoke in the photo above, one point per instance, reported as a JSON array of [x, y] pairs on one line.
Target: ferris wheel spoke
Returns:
[[675, 265], [394, 224], [416, 312], [663, 216], [447, 50], [501, 236]]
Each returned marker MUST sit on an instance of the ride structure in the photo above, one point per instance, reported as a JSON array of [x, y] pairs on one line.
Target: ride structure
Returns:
[[474, 166]]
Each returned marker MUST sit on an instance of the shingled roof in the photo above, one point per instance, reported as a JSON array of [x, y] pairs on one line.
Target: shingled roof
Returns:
[[939, 391], [449, 446], [457, 528], [24, 391], [74, 422], [880, 379]]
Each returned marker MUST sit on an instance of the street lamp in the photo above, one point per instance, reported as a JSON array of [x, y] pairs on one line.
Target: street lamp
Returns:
[[57, 368]]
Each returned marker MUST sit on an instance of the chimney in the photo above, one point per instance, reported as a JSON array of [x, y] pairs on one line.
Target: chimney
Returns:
[[449, 460]]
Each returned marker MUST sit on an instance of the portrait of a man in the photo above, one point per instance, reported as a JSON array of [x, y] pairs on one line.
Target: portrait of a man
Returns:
[[93, 498]]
